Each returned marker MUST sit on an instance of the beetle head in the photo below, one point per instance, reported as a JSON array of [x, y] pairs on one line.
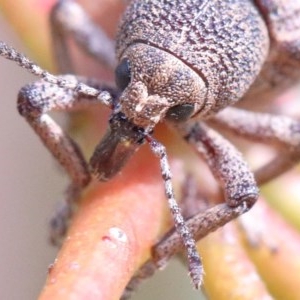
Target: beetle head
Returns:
[[156, 85]]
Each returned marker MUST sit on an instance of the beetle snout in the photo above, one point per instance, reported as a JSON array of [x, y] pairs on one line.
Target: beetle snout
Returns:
[[142, 108]]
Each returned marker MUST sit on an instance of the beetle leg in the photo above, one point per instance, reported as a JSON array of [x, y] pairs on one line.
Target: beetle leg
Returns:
[[34, 102], [240, 188], [278, 130], [229, 167], [68, 18], [283, 20], [225, 161], [58, 93]]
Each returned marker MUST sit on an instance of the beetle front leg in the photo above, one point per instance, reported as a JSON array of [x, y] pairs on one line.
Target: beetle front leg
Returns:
[[276, 130], [229, 167], [60, 93], [240, 189], [231, 170], [34, 102], [234, 175], [68, 18]]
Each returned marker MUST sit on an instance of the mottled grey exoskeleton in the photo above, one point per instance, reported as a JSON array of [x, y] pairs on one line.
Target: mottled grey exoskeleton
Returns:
[[187, 63]]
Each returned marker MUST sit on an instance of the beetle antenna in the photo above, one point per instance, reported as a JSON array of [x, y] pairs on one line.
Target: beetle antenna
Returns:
[[195, 263], [73, 84]]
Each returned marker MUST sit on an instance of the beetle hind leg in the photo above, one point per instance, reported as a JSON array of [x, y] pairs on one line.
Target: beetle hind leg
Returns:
[[69, 19]]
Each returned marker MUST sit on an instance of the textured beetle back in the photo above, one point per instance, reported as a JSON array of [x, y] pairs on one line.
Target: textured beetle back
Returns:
[[225, 42]]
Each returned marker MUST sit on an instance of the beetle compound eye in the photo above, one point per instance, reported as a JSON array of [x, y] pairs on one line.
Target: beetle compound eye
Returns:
[[180, 113], [122, 74]]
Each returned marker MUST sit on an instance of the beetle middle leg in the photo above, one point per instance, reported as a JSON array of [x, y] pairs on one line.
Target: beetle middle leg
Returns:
[[281, 131]]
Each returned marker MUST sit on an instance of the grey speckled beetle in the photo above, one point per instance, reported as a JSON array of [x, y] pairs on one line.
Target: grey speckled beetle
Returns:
[[186, 62]]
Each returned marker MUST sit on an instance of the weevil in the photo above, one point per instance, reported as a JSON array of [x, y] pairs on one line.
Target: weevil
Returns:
[[194, 64]]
